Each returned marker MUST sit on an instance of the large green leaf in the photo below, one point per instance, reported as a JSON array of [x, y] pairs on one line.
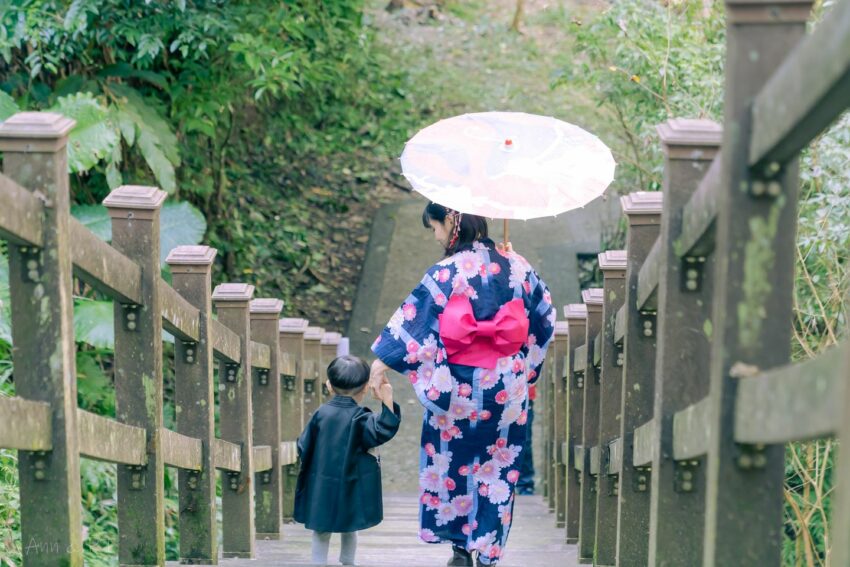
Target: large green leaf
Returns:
[[141, 124], [94, 137], [180, 224], [8, 107], [95, 218], [93, 323]]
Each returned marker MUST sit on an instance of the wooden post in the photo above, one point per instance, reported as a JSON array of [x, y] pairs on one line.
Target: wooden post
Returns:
[[590, 427], [236, 423], [756, 239], [613, 266], [312, 374], [330, 342], [265, 314], [841, 545], [191, 267], [138, 375], [643, 211], [576, 316], [559, 435], [550, 465], [676, 513], [291, 406], [543, 413], [42, 305]]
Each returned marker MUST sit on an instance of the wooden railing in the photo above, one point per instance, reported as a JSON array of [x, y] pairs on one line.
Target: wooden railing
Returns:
[[671, 390], [262, 372]]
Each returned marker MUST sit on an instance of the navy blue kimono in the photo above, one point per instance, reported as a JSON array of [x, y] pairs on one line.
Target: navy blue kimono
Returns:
[[339, 485], [475, 419]]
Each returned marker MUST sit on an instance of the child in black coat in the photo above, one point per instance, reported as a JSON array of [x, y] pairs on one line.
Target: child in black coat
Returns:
[[339, 485]]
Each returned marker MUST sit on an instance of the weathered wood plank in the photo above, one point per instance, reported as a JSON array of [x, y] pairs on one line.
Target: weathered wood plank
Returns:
[[135, 214], [615, 457], [697, 234], [647, 287], [179, 317], [180, 451], [595, 459], [260, 355], [265, 319], [808, 91], [227, 455], [593, 299], [754, 264], [644, 444], [262, 458], [692, 430], [105, 439], [42, 308], [103, 267], [226, 344], [578, 455], [288, 364], [580, 359], [25, 424], [194, 396], [841, 501], [796, 402], [236, 419], [576, 316], [643, 211], [288, 453], [620, 325], [20, 213]]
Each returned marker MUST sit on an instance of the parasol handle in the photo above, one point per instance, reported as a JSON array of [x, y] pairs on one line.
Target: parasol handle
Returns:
[[506, 232]]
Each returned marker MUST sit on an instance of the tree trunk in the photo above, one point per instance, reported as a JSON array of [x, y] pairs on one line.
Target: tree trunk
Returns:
[[520, 4]]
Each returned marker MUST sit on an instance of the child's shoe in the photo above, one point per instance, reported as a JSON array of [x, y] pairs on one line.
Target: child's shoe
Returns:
[[461, 557]]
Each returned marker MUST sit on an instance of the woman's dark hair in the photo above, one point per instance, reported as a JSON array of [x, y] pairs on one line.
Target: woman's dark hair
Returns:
[[472, 227], [348, 374]]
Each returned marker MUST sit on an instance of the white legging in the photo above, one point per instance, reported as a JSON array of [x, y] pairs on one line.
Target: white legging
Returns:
[[321, 543]]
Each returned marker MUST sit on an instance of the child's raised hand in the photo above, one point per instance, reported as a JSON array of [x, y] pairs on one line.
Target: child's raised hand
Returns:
[[385, 392]]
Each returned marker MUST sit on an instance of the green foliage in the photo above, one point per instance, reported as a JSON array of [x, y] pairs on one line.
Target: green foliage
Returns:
[[180, 224], [93, 137], [7, 106], [648, 62]]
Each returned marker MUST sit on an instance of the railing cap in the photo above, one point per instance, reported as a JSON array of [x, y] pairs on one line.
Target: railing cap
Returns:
[[34, 131], [642, 203], [232, 292], [575, 311], [140, 199], [331, 338], [266, 305], [191, 256], [593, 296], [314, 333], [690, 138], [293, 325], [612, 261], [562, 328]]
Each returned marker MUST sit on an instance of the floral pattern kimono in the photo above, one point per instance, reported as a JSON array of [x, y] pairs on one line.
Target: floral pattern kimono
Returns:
[[475, 418]]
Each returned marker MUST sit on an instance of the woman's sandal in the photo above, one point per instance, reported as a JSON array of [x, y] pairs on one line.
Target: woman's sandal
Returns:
[[460, 558]]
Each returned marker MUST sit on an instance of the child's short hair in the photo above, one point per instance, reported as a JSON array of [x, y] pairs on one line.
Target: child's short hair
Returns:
[[348, 374]]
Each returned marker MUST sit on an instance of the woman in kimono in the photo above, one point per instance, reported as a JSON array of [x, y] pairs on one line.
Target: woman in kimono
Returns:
[[471, 339]]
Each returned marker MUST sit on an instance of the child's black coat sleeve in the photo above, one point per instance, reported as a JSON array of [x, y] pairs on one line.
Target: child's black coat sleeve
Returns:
[[378, 429]]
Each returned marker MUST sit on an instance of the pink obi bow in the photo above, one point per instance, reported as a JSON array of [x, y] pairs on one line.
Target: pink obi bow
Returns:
[[481, 343]]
